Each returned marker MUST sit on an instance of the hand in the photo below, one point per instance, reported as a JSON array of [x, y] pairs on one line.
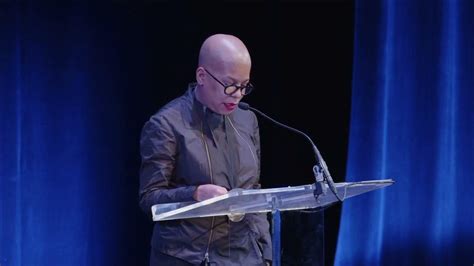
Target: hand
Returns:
[[204, 192]]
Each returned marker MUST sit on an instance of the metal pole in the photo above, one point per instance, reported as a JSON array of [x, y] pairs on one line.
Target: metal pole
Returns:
[[276, 229]]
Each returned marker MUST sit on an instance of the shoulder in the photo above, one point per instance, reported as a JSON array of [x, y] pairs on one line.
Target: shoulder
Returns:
[[172, 112], [166, 120]]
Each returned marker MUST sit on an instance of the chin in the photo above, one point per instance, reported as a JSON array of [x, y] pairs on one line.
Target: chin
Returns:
[[225, 112], [222, 111]]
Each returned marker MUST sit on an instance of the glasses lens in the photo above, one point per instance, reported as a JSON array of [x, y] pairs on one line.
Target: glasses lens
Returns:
[[230, 90], [244, 90], [247, 89]]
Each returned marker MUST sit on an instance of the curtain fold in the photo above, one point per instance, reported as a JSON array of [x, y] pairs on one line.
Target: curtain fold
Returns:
[[412, 120], [60, 108]]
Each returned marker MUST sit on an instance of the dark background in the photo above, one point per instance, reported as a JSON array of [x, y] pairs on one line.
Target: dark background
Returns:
[[302, 66], [79, 80]]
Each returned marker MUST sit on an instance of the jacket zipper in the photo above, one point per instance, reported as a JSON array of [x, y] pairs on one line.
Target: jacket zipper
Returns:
[[206, 254], [254, 243], [248, 145]]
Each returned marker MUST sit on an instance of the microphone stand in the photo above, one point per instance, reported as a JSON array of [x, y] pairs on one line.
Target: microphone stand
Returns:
[[321, 174], [320, 170]]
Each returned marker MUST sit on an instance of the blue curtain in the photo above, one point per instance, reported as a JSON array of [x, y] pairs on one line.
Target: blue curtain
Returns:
[[60, 107], [412, 120]]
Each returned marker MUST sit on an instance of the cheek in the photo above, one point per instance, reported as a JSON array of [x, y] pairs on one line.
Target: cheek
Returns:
[[218, 95]]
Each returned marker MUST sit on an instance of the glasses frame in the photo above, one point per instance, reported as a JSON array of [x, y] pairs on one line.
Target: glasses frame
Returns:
[[247, 88]]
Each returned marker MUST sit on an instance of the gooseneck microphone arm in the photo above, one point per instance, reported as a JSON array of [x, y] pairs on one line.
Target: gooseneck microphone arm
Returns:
[[320, 169]]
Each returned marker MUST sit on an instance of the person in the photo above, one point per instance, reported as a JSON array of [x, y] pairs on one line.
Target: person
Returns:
[[199, 146]]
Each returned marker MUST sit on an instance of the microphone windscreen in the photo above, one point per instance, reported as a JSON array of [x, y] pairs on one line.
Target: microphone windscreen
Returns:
[[244, 106]]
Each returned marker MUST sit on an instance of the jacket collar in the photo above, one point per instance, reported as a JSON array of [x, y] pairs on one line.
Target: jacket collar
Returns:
[[197, 111]]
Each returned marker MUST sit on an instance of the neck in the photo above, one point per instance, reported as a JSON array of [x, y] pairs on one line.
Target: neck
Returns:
[[199, 97]]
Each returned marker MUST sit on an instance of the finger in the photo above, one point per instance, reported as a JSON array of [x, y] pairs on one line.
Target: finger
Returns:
[[222, 190]]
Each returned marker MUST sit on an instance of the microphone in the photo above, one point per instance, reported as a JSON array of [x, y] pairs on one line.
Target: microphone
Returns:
[[320, 170]]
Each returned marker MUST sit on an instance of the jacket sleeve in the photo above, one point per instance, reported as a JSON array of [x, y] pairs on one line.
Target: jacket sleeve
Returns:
[[158, 150]]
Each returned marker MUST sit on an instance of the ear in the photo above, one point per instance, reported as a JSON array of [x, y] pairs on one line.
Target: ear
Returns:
[[200, 73]]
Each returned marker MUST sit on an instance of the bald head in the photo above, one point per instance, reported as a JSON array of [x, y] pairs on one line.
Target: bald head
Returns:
[[221, 51], [227, 58]]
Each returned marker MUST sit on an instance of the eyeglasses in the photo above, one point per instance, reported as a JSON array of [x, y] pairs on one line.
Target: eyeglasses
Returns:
[[231, 89]]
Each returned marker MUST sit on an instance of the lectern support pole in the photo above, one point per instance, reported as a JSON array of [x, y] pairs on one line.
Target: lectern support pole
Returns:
[[276, 229]]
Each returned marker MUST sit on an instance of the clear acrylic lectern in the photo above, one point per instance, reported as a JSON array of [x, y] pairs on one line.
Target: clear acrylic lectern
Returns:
[[238, 202]]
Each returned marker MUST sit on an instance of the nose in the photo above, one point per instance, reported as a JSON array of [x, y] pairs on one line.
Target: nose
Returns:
[[238, 94]]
